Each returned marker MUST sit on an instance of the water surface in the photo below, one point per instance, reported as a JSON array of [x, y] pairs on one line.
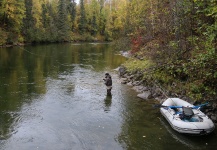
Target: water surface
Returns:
[[52, 97]]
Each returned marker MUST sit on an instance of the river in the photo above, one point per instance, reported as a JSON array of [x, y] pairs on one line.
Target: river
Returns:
[[52, 97]]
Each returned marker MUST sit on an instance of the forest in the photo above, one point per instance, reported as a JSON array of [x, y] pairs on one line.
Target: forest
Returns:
[[173, 42], [38, 21]]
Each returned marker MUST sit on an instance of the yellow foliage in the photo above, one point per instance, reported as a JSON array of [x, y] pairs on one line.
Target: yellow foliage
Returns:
[[37, 11], [135, 64]]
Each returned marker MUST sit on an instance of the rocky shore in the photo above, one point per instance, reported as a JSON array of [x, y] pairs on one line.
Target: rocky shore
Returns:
[[148, 91]]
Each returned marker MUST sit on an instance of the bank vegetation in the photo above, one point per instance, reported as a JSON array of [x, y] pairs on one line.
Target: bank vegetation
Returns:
[[173, 44]]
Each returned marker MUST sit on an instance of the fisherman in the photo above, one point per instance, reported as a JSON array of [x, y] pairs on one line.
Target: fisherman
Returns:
[[108, 83]]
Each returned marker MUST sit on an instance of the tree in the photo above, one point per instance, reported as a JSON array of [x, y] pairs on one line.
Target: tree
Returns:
[[94, 13], [82, 20], [12, 13], [72, 13], [63, 23], [28, 21]]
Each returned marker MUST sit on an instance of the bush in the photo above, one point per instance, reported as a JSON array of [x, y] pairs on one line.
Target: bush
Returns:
[[4, 37], [82, 38]]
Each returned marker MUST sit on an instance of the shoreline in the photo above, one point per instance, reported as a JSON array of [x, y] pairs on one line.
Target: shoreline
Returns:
[[147, 90], [42, 43]]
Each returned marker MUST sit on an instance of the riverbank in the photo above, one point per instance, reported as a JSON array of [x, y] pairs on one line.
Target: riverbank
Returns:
[[150, 90], [42, 43]]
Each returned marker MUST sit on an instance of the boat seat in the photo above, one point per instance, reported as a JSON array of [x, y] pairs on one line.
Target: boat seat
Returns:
[[187, 112]]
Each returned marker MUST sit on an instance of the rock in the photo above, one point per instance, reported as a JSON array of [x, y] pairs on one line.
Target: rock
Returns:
[[123, 80], [209, 114], [156, 92], [130, 83], [159, 99], [214, 118], [131, 77], [125, 75], [136, 83], [145, 95], [138, 76], [117, 69], [214, 106], [138, 88], [145, 88], [125, 53], [121, 70]]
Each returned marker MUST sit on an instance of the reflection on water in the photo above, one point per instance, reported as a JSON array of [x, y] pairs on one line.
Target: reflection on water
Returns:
[[108, 103], [191, 141], [53, 97]]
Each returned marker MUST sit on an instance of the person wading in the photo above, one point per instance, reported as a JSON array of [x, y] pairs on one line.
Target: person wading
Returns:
[[108, 83]]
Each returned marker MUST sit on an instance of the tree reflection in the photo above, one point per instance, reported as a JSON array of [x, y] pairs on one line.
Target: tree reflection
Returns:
[[25, 72]]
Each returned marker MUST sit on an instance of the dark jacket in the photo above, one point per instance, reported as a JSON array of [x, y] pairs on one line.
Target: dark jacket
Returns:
[[108, 81]]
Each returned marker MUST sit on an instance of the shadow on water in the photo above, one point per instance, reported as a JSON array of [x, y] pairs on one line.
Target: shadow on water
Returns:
[[107, 103]]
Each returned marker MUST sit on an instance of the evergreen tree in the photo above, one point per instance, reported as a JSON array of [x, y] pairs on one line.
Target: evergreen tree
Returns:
[[72, 12], [94, 13], [28, 21], [45, 17], [102, 18], [62, 24], [93, 25], [52, 29], [82, 21]]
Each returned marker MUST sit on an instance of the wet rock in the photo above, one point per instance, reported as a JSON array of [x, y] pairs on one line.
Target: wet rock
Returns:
[[136, 83], [124, 80], [145, 95], [117, 69], [138, 88], [130, 83]]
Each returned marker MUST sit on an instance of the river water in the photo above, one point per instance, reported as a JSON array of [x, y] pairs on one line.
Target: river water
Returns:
[[52, 97]]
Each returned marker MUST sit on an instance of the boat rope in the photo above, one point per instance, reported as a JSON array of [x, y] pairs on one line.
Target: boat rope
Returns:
[[45, 57], [162, 91]]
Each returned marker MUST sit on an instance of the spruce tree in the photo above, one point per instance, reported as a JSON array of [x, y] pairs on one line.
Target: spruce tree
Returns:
[[28, 21], [94, 25], [62, 24], [72, 12], [45, 15], [82, 21]]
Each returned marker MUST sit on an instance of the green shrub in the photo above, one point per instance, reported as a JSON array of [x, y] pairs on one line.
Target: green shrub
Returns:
[[4, 37]]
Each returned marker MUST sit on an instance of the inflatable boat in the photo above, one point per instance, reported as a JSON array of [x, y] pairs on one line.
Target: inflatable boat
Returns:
[[185, 117]]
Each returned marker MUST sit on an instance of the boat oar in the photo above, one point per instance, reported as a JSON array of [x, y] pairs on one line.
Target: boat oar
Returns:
[[194, 107], [160, 105], [198, 106]]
